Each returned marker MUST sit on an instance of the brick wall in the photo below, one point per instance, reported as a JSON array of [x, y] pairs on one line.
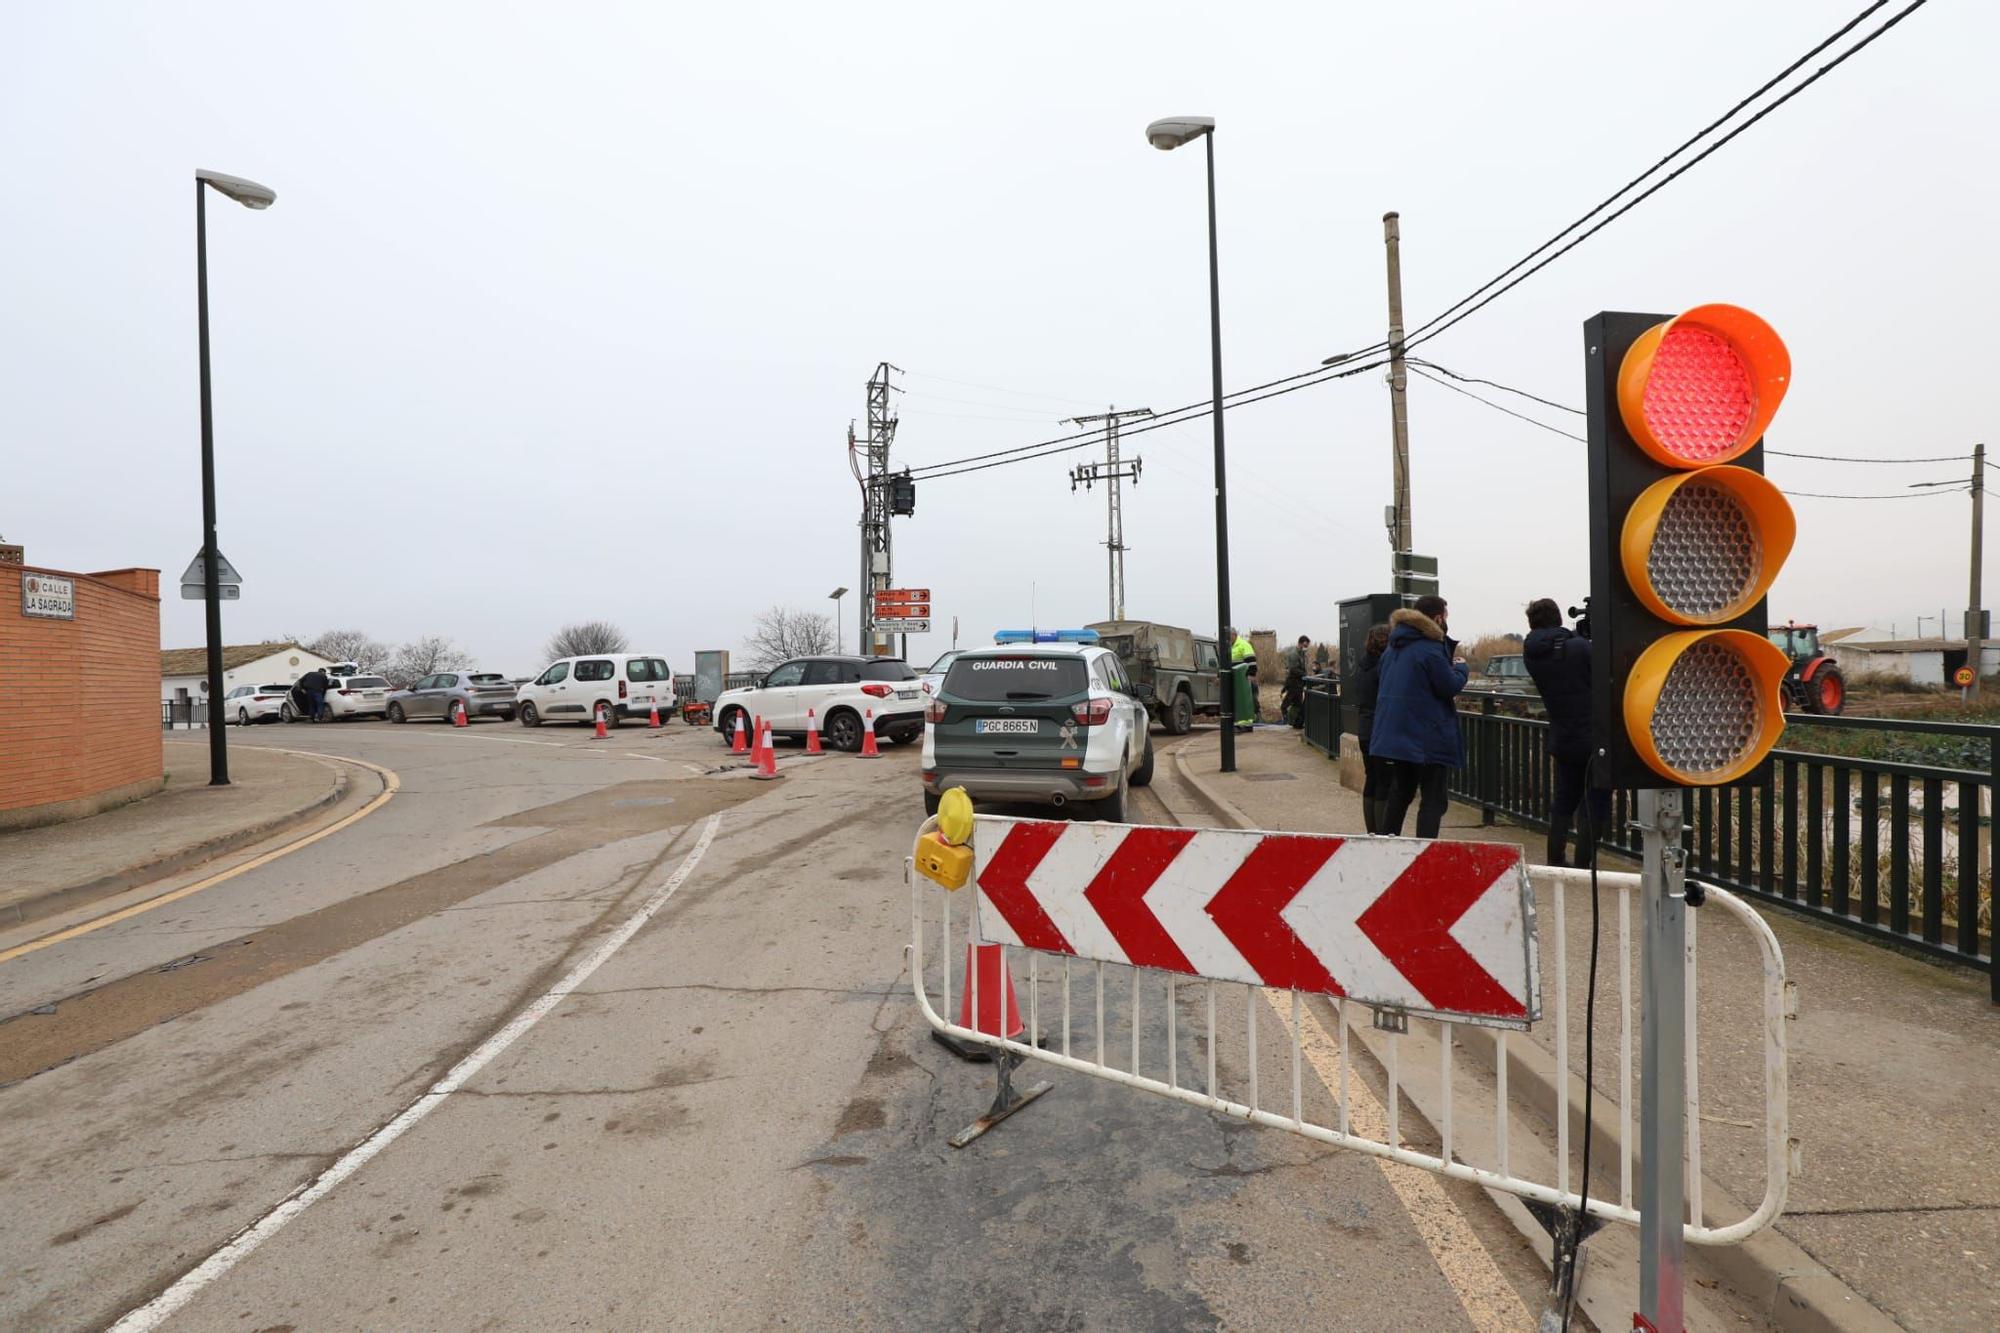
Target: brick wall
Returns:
[[78, 714]]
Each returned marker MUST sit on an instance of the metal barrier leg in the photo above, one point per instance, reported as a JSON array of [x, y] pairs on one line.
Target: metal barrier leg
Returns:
[[1006, 1101]]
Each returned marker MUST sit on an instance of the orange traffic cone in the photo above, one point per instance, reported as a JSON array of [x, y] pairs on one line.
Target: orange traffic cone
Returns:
[[998, 1014], [458, 713], [736, 745], [812, 734], [759, 738], [653, 718], [766, 754], [601, 732], [868, 750]]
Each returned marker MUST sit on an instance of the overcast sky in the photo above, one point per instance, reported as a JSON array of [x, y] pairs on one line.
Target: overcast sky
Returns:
[[563, 311]]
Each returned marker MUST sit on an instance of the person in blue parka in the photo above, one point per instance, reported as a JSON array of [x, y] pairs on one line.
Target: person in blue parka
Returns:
[[1416, 720]]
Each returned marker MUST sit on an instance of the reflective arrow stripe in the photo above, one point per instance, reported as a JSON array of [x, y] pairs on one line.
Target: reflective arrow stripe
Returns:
[[1247, 908], [1118, 892], [1411, 924]]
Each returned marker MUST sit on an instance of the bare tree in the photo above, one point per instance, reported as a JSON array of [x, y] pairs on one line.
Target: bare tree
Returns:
[[349, 645], [589, 636], [425, 656], [785, 632]]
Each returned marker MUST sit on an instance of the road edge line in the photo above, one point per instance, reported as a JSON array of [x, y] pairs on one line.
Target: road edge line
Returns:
[[391, 784], [197, 1279]]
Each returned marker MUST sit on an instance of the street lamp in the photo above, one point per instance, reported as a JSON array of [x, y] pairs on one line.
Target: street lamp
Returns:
[[1167, 135], [836, 595], [251, 195]]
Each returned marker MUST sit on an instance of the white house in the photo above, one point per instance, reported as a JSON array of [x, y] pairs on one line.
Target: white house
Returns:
[[184, 671], [1919, 661]]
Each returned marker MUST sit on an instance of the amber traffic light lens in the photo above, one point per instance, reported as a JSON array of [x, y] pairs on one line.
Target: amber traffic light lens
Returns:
[[1703, 706], [1700, 388], [1702, 547]]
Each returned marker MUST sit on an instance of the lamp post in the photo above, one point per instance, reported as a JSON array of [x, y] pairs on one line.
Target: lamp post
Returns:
[[1167, 135], [836, 595], [251, 195]]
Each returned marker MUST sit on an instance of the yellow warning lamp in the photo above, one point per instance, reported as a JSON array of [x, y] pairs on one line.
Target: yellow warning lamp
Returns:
[[944, 855], [1690, 680]]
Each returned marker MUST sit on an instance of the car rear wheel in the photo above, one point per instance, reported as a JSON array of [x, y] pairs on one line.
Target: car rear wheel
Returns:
[[1180, 717], [286, 713], [396, 713], [843, 730], [1145, 774], [242, 717], [930, 802], [529, 717], [1110, 809], [609, 714]]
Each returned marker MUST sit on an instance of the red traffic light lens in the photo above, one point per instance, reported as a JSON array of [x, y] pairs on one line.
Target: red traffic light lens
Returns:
[[1701, 388]]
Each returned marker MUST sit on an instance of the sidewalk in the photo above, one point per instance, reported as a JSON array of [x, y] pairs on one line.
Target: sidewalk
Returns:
[[1895, 1081], [61, 866]]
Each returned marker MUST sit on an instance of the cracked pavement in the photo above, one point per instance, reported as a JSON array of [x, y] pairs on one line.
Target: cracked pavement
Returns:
[[738, 1121]]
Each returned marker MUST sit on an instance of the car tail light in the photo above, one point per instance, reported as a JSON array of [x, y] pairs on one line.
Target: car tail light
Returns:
[[876, 690], [343, 692], [935, 713], [621, 689], [1093, 712]]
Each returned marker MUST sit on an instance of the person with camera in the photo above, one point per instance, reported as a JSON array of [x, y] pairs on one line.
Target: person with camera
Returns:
[[1416, 718], [1559, 662]]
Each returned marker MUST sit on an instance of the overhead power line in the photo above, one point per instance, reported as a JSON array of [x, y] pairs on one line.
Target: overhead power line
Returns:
[[1432, 328], [1507, 388], [1518, 416]]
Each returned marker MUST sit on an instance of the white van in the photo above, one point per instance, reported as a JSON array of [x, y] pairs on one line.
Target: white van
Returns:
[[576, 689]]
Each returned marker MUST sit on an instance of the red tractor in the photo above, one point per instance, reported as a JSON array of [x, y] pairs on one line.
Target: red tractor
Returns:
[[1814, 684]]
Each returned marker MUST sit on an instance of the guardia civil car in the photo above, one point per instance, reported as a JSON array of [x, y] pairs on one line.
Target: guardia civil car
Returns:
[[1043, 720]]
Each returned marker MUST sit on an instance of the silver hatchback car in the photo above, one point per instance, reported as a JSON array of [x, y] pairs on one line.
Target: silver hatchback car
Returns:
[[482, 693]]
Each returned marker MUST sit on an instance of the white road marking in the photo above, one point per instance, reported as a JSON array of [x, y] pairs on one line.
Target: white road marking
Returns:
[[162, 1307], [1489, 1300]]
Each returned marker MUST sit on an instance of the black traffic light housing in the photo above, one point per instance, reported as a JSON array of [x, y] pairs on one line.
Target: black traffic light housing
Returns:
[[1622, 627]]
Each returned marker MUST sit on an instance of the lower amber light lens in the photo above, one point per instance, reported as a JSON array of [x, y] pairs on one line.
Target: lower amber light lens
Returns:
[[1703, 707]]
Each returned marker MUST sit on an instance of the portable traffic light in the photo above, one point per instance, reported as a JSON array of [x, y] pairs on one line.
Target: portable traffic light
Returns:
[[1686, 538]]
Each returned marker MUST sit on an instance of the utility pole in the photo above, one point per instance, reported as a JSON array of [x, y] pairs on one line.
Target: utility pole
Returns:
[[1111, 472], [875, 537], [1399, 385], [1975, 645]]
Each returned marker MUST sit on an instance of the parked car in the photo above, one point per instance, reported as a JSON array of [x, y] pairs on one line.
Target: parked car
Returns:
[[1506, 673], [576, 689], [1173, 672], [254, 703], [480, 693], [934, 673], [357, 696], [1043, 723], [840, 691]]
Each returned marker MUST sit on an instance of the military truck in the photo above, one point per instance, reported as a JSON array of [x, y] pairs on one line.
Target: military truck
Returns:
[[1174, 673]]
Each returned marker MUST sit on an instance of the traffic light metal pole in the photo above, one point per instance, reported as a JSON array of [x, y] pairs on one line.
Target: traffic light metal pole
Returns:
[[218, 744], [1662, 1058], [1228, 718], [1975, 646]]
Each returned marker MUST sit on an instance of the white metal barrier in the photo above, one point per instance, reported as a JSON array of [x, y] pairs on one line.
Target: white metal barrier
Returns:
[[1455, 1158]]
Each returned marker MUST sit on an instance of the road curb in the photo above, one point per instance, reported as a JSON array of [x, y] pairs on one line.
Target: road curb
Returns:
[[1794, 1289], [54, 901]]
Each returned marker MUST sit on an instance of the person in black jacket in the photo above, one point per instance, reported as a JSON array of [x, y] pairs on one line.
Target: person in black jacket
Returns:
[[1368, 684], [1559, 662]]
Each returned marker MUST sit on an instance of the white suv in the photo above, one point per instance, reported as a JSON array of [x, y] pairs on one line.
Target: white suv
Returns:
[[254, 703], [841, 692], [577, 689], [357, 696]]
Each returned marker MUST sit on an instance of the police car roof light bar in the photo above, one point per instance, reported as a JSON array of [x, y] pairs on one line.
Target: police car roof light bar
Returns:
[[1045, 636]]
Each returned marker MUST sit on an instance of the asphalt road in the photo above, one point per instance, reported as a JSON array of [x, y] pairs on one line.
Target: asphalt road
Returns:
[[684, 1085]]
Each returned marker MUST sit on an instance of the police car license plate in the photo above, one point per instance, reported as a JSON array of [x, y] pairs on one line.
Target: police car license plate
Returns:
[[1009, 726], [906, 694]]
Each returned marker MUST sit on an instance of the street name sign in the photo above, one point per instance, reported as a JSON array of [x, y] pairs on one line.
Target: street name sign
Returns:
[[47, 597]]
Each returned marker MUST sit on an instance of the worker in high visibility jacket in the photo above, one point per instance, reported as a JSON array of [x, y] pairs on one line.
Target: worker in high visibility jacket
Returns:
[[1243, 666]]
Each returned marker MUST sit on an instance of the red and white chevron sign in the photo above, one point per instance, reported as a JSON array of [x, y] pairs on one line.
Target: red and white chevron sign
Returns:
[[1444, 928]]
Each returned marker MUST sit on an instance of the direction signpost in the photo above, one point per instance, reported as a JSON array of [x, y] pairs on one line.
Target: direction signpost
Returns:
[[901, 611], [1414, 576]]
